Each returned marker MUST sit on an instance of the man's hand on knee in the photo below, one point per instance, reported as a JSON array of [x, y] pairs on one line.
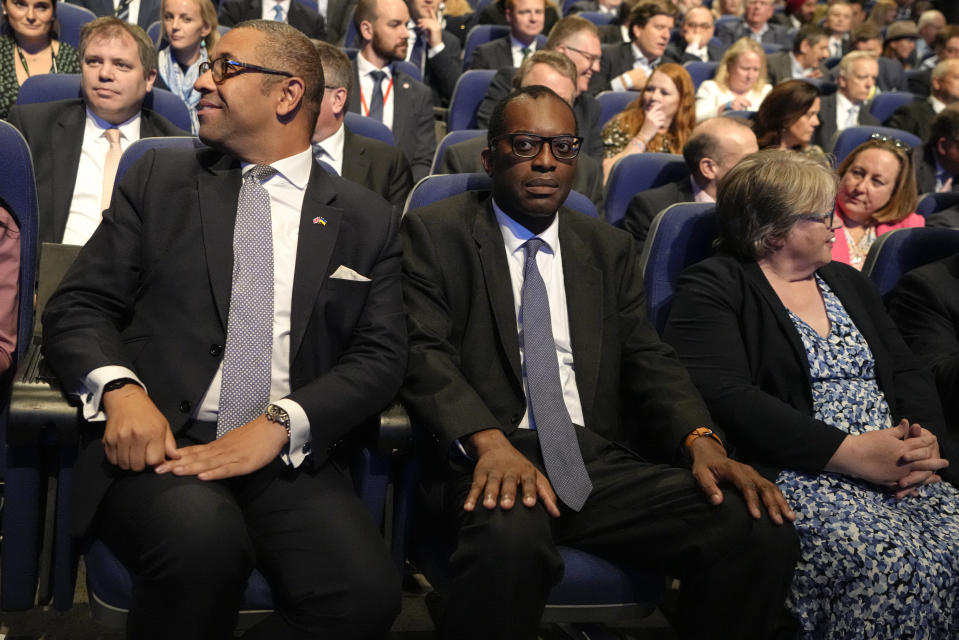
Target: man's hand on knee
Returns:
[[136, 434], [501, 471]]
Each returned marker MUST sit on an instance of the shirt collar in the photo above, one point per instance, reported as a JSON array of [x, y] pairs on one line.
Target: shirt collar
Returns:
[[333, 145], [129, 130], [515, 234], [516, 44], [364, 66], [639, 56], [843, 104], [937, 104], [295, 169]]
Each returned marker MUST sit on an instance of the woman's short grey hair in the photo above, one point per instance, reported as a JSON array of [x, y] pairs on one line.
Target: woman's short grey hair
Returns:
[[762, 197]]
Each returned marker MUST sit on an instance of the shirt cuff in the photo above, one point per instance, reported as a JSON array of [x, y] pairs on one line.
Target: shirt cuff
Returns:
[[619, 83], [300, 436], [91, 389], [435, 50]]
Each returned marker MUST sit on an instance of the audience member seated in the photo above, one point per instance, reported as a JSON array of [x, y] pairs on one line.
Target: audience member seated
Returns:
[[578, 39], [838, 24], [937, 161], [946, 46], [495, 13], [190, 29], [728, 8], [809, 49], [337, 15], [847, 107], [607, 7], [458, 18], [755, 24], [906, 10], [76, 144], [925, 306], [9, 288], [695, 34], [311, 23], [916, 116], [877, 193], [800, 364], [797, 14], [715, 146], [395, 99], [627, 65], [563, 450], [525, 20], [740, 82], [29, 47], [788, 117], [900, 43], [929, 23], [208, 450], [660, 119], [867, 37], [617, 31], [883, 13], [380, 167], [142, 13], [433, 50]]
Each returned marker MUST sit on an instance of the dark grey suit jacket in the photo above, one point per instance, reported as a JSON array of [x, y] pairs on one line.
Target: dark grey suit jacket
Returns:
[[495, 54], [148, 14], [310, 22], [381, 168], [337, 19], [825, 134], [779, 67], [413, 128], [54, 131], [915, 117], [618, 59], [730, 32], [677, 51], [646, 205], [441, 72]]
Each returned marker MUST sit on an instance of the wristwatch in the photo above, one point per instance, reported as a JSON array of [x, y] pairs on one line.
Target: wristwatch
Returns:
[[113, 385], [276, 413], [702, 432]]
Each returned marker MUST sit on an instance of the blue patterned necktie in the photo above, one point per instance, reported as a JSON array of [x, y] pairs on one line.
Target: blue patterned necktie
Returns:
[[277, 12], [123, 10], [548, 415], [376, 97], [245, 389]]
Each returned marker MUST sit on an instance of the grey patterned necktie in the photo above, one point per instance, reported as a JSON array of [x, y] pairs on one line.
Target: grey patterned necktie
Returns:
[[245, 389], [548, 414], [123, 10], [376, 97]]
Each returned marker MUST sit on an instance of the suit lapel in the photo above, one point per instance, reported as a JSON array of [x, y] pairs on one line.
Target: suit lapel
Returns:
[[70, 127], [402, 107], [755, 275], [354, 105], [584, 293], [356, 163], [218, 190]]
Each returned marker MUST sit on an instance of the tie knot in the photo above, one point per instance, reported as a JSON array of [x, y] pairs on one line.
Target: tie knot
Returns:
[[377, 75], [533, 245], [278, 12], [261, 173], [112, 136]]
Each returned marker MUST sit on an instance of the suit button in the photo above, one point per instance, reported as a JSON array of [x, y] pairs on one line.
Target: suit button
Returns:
[[185, 406], [216, 350]]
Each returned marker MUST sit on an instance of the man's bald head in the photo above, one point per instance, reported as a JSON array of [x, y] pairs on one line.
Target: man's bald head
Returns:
[[714, 147]]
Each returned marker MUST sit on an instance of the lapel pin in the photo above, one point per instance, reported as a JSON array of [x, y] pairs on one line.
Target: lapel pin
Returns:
[[406, 85], [319, 220]]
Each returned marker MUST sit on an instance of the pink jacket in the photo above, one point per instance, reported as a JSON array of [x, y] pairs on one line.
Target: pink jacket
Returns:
[[840, 249]]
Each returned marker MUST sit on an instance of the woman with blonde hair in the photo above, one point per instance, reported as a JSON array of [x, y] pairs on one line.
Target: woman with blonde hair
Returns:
[[191, 29], [660, 119], [740, 83]]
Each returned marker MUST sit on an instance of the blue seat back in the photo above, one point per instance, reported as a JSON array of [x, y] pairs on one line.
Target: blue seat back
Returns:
[[451, 138], [597, 17], [409, 69], [481, 34], [363, 126], [470, 89], [884, 104], [639, 172], [72, 18], [700, 72], [852, 137], [895, 253], [933, 202], [613, 102]]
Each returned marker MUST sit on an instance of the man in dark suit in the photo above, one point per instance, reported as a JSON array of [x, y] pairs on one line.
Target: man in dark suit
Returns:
[[236, 317], [917, 116], [147, 14], [848, 106], [525, 19], [627, 65], [379, 167], [946, 46], [838, 24], [937, 161], [755, 24], [293, 13], [805, 60], [531, 456], [70, 139], [796, 14], [694, 42], [714, 147], [395, 99], [336, 19], [433, 50], [868, 37], [578, 39]]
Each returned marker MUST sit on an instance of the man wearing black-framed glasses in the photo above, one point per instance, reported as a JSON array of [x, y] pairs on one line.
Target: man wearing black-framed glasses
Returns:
[[254, 321]]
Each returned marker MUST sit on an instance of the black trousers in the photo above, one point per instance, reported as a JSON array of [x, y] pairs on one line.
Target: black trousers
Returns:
[[734, 571], [191, 546]]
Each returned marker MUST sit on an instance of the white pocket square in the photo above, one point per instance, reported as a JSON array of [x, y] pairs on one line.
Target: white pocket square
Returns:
[[343, 272]]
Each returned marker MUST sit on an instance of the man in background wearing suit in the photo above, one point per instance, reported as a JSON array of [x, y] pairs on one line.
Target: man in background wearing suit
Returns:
[[916, 116], [235, 320], [714, 147], [336, 18], [401, 103], [838, 24], [142, 13], [755, 24], [537, 383], [809, 49], [76, 144], [379, 167], [693, 43], [526, 19], [937, 161], [307, 20], [433, 50], [848, 106], [796, 14]]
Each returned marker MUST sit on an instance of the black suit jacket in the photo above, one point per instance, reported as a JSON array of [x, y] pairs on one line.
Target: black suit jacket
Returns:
[[54, 131], [736, 338], [925, 306], [381, 168], [460, 25], [413, 129], [464, 367], [676, 51], [310, 22], [924, 160], [151, 291], [645, 205], [337, 19], [148, 14], [730, 32], [618, 59], [495, 54], [441, 72], [915, 117], [825, 134]]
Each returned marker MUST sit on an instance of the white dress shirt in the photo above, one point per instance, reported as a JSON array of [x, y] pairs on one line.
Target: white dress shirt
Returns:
[[286, 190], [549, 259], [333, 149], [846, 112], [267, 12], [937, 104], [363, 68], [85, 213], [699, 195], [516, 48], [640, 61], [700, 51]]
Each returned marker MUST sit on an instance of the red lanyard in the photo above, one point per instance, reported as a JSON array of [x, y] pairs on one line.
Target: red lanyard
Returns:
[[386, 95]]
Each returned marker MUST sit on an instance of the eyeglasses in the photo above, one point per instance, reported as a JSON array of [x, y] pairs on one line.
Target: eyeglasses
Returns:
[[223, 69], [896, 142], [528, 145], [825, 218], [698, 26], [591, 58]]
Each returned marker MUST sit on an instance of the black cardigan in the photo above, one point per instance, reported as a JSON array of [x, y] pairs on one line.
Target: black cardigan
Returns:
[[736, 339]]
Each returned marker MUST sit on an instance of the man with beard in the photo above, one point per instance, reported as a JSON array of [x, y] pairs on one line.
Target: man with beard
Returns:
[[397, 100]]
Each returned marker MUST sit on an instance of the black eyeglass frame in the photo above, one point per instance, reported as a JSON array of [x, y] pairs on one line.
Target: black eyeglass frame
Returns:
[[577, 142], [826, 218], [236, 68]]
